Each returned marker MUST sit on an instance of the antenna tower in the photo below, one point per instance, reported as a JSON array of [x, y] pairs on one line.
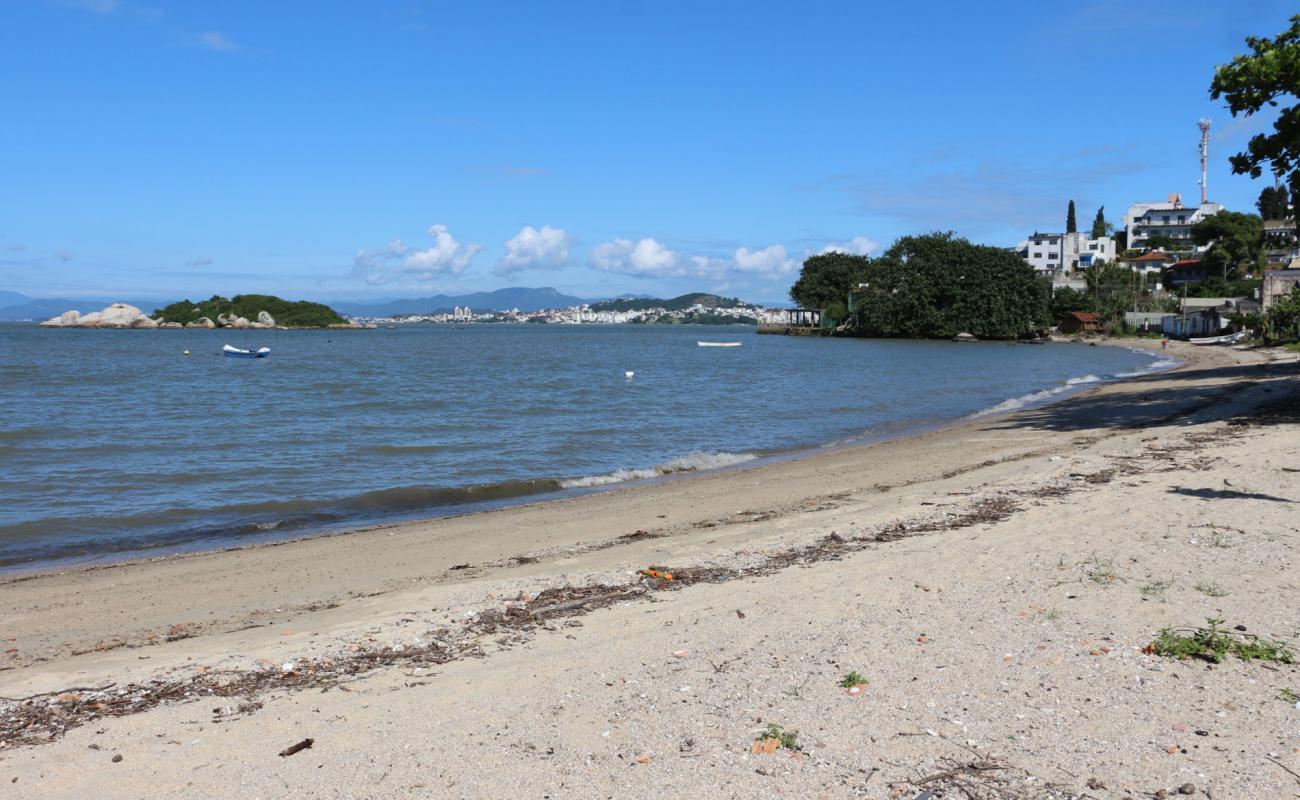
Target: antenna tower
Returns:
[[1204, 125]]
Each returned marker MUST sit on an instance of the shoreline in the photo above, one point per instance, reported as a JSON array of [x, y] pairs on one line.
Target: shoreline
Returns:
[[567, 488], [965, 571]]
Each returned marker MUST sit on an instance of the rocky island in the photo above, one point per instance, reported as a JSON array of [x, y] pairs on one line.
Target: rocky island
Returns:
[[247, 311]]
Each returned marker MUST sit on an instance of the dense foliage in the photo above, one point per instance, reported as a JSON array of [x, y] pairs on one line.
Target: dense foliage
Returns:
[[1273, 202], [680, 303], [1235, 239], [1266, 77], [1218, 287], [828, 278], [300, 314], [1099, 226], [1282, 320], [937, 286], [1071, 222]]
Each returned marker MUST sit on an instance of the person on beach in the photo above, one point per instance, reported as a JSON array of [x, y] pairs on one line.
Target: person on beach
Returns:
[[1164, 343]]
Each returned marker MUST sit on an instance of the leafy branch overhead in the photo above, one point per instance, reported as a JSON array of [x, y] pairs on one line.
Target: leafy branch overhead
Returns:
[[1266, 77]]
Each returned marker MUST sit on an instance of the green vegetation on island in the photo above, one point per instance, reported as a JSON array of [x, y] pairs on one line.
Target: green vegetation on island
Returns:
[[287, 313]]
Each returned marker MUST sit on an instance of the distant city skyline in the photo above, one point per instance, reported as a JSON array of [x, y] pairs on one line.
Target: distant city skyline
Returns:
[[167, 150]]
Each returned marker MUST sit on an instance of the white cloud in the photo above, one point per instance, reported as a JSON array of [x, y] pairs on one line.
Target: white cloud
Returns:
[[531, 248], [857, 246], [201, 261], [770, 261], [645, 257], [446, 257], [216, 40]]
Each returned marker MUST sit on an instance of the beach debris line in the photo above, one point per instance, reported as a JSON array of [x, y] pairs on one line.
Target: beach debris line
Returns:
[[297, 748], [39, 719]]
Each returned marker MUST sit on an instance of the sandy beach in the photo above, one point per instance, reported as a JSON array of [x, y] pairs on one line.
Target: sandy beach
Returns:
[[995, 582]]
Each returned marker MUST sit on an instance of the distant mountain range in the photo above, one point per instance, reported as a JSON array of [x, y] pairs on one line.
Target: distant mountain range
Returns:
[[15, 307], [679, 303], [519, 297], [19, 307]]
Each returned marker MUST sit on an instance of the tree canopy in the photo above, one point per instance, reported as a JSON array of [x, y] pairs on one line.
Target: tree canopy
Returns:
[[1234, 239], [1268, 76], [828, 278], [1272, 202], [938, 285], [1099, 223], [1071, 223]]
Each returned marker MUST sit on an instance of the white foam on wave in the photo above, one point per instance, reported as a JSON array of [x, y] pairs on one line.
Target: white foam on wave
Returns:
[[1023, 400], [690, 462], [1083, 380]]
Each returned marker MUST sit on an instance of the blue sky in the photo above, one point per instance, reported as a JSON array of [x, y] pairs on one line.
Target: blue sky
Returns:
[[371, 149]]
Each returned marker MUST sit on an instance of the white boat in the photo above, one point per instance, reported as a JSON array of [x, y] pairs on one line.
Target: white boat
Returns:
[[718, 344], [1231, 338], [237, 352]]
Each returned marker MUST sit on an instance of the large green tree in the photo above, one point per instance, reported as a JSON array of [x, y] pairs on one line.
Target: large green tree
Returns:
[[1267, 76], [1071, 223], [1272, 202], [938, 285], [1234, 240], [827, 279], [1099, 223]]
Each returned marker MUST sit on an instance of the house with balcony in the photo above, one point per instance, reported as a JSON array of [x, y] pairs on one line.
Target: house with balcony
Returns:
[[1056, 254], [1170, 219]]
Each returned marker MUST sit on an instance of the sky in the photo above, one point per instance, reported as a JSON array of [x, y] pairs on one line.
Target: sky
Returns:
[[355, 150]]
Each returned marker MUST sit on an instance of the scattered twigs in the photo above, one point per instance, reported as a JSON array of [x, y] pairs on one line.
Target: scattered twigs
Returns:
[[1294, 774], [71, 690]]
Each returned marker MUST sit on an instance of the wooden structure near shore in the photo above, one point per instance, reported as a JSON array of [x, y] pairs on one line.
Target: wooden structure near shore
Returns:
[[798, 322]]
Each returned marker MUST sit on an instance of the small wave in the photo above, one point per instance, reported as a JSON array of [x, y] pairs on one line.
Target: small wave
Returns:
[[1016, 403], [1083, 380], [690, 462]]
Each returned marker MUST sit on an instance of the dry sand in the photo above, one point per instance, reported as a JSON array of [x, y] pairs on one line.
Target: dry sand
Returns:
[[995, 582]]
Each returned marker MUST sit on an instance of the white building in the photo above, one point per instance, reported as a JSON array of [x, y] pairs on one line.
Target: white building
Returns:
[[1170, 218], [1055, 254]]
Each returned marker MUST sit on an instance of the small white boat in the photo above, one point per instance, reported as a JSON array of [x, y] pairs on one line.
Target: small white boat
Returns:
[[718, 344], [1231, 338], [236, 352]]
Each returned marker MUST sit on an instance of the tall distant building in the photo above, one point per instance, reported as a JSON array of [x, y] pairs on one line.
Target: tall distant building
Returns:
[[1170, 218]]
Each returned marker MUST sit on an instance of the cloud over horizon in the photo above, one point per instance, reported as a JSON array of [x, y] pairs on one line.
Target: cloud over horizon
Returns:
[[446, 257], [532, 248]]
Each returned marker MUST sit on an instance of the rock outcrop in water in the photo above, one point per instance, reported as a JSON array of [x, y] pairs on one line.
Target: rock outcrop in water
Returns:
[[118, 315], [208, 315]]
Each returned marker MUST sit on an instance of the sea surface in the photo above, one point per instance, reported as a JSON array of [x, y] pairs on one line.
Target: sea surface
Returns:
[[115, 443]]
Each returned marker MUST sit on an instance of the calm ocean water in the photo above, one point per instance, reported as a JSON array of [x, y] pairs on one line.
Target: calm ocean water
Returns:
[[114, 443]]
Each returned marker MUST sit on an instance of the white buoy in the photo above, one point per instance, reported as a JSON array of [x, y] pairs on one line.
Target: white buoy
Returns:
[[187, 352], [628, 374]]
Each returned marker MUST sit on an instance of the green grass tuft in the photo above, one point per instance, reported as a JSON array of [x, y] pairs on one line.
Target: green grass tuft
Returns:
[[788, 739], [852, 679], [1214, 644]]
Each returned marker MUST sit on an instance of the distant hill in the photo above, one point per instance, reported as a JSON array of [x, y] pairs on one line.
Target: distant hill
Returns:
[[680, 303], [520, 297], [15, 307]]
